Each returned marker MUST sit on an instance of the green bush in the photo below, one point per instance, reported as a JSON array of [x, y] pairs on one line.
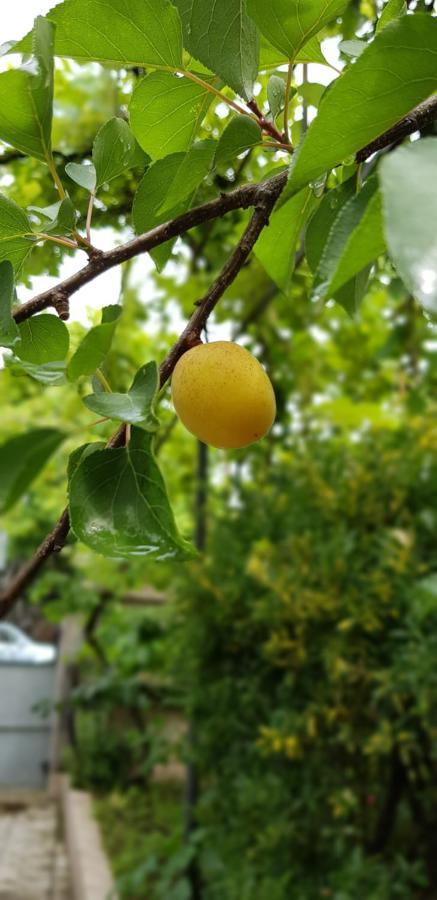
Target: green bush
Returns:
[[309, 659]]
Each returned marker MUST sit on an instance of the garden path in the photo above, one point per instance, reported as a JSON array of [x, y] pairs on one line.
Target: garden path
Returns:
[[33, 863]]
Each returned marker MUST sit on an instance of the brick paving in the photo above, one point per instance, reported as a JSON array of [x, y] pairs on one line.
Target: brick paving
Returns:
[[33, 864]]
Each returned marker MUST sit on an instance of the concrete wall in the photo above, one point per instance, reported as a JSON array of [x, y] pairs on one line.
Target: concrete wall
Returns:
[[24, 732]]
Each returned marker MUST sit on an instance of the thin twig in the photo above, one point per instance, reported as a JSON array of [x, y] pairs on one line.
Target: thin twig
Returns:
[[243, 197], [266, 197], [89, 216]]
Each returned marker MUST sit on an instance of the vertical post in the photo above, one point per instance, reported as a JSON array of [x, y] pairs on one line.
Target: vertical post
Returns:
[[192, 779]]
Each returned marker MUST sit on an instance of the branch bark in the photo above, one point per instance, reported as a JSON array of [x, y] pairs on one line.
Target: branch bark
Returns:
[[242, 198], [263, 197], [418, 118]]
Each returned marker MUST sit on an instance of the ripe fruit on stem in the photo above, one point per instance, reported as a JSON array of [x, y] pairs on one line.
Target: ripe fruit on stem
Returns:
[[222, 395]]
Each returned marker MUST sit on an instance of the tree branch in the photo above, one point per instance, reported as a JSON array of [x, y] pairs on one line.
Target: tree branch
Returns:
[[264, 199], [418, 118], [241, 198]]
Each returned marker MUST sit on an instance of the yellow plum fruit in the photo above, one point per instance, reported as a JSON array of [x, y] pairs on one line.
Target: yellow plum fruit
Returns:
[[222, 395]]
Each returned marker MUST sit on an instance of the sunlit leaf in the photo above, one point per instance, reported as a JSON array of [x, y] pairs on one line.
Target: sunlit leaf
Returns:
[[43, 339], [165, 113], [120, 32], [114, 150], [26, 97], [224, 39], [395, 73], [95, 346], [409, 190], [289, 24], [136, 406], [239, 135]]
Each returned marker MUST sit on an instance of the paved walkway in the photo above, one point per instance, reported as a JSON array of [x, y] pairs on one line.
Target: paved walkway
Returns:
[[33, 864]]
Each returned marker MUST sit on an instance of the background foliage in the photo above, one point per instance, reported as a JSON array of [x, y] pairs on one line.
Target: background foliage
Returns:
[[301, 644]]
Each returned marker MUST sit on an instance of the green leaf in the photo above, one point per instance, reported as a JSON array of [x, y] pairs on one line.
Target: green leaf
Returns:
[[194, 167], [165, 113], [119, 32], [224, 39], [392, 10], [395, 73], [80, 453], [9, 333], [355, 240], [276, 247], [323, 219], [83, 174], [353, 49], [351, 294], [21, 459], [289, 24], [311, 92], [26, 97], [114, 150], [409, 190], [95, 346], [51, 374], [276, 95], [136, 406], [59, 217], [150, 197], [119, 504], [43, 339], [16, 239], [239, 135], [271, 57]]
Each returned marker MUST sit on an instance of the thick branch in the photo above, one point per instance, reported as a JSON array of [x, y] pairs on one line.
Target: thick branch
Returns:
[[265, 199], [241, 198], [418, 118]]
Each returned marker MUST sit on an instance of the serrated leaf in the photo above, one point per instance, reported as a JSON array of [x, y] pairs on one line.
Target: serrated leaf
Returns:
[[136, 406], [26, 97], [51, 374], [321, 222], [150, 197], [355, 239], [409, 191], [9, 333], [395, 73], [83, 174], [119, 504], [21, 459], [43, 339], [392, 10], [271, 57], [59, 217], [95, 346], [193, 168], [289, 24], [119, 32], [239, 135], [165, 113], [276, 95], [224, 39], [16, 238], [114, 150], [276, 247]]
